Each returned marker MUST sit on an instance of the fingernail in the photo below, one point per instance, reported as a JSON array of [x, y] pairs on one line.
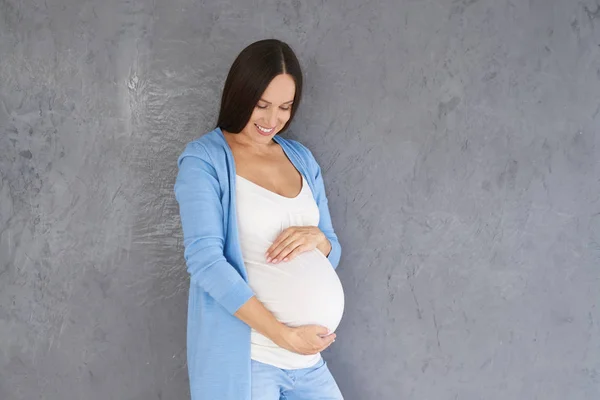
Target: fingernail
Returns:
[[285, 259], [275, 260], [268, 259]]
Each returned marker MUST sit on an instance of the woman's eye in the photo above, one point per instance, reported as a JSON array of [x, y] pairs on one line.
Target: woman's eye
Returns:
[[282, 108]]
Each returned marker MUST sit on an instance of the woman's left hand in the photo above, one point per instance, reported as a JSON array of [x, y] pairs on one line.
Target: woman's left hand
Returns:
[[295, 240]]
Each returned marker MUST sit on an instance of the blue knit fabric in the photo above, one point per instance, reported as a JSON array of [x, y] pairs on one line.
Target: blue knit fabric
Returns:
[[218, 343]]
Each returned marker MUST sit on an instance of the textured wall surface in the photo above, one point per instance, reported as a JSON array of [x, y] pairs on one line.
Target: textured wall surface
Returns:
[[460, 142]]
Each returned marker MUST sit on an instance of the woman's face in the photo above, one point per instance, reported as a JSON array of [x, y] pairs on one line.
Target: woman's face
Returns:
[[273, 110]]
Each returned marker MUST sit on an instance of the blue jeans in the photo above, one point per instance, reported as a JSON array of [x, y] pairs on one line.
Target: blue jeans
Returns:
[[314, 383]]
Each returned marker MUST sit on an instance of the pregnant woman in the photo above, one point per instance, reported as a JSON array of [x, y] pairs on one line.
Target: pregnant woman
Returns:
[[260, 247]]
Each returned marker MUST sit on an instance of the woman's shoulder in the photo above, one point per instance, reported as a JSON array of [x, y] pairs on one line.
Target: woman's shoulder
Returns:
[[204, 147]]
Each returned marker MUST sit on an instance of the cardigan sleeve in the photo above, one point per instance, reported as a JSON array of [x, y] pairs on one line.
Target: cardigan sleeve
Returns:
[[325, 224], [197, 191]]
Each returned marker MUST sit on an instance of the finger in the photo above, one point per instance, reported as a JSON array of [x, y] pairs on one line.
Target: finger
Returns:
[[282, 236], [322, 343], [329, 342], [327, 339], [280, 251], [325, 347], [322, 331], [294, 253], [286, 251]]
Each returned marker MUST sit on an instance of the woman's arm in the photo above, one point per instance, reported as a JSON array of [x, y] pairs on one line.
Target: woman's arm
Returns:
[[256, 315], [198, 194], [325, 224]]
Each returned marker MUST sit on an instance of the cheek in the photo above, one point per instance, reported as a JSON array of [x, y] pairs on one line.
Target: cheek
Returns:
[[285, 116], [256, 114]]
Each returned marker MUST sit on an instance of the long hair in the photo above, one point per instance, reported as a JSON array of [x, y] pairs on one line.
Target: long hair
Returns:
[[250, 74]]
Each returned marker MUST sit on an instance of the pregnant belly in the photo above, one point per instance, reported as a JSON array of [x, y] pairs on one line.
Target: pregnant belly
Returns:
[[305, 290]]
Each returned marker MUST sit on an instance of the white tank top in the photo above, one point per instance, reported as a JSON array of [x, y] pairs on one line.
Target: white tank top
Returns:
[[305, 290]]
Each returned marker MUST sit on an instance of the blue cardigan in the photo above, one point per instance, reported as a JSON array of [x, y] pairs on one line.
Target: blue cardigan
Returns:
[[218, 343]]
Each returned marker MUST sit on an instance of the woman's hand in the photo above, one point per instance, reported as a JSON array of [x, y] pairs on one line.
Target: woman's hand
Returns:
[[306, 339], [295, 240]]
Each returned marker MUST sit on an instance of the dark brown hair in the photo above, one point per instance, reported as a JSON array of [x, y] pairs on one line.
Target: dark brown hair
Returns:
[[250, 74]]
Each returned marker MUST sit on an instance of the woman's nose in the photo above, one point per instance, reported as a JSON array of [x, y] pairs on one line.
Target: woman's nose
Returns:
[[272, 118]]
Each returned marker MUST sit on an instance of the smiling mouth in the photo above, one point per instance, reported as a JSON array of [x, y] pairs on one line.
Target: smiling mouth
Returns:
[[264, 130]]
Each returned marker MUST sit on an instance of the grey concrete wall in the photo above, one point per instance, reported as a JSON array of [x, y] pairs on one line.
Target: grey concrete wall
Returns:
[[461, 150]]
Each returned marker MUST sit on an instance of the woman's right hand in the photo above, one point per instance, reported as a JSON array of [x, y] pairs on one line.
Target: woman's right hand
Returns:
[[306, 339]]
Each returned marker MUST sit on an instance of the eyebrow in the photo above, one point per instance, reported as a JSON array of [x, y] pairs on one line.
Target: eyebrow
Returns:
[[268, 102]]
